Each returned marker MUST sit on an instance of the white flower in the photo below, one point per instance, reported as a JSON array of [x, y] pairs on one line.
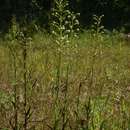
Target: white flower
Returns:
[[67, 11], [67, 31], [63, 27], [62, 38], [76, 22], [54, 22], [67, 41], [73, 17], [69, 16], [77, 29], [56, 14], [75, 35], [53, 32], [66, 22], [78, 14]]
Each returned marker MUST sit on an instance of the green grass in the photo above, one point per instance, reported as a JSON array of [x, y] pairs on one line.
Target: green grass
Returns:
[[97, 77]]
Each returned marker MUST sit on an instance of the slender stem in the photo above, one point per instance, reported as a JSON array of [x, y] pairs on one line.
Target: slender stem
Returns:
[[15, 95], [58, 75], [25, 84]]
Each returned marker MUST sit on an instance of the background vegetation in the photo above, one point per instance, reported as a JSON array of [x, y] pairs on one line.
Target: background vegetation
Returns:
[[117, 12]]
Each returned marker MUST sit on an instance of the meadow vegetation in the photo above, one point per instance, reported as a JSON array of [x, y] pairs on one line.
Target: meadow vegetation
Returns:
[[66, 80]]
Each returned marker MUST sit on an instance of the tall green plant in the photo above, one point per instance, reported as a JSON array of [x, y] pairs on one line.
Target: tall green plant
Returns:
[[64, 28], [19, 39], [13, 32], [97, 27], [98, 31], [64, 24]]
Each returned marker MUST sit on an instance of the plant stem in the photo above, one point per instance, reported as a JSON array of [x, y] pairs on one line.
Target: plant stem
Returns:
[[25, 83]]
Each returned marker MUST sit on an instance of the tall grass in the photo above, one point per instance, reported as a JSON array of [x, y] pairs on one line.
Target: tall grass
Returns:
[[62, 82], [93, 88]]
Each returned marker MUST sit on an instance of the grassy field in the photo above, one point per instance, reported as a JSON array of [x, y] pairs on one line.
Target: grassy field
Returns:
[[83, 88]]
